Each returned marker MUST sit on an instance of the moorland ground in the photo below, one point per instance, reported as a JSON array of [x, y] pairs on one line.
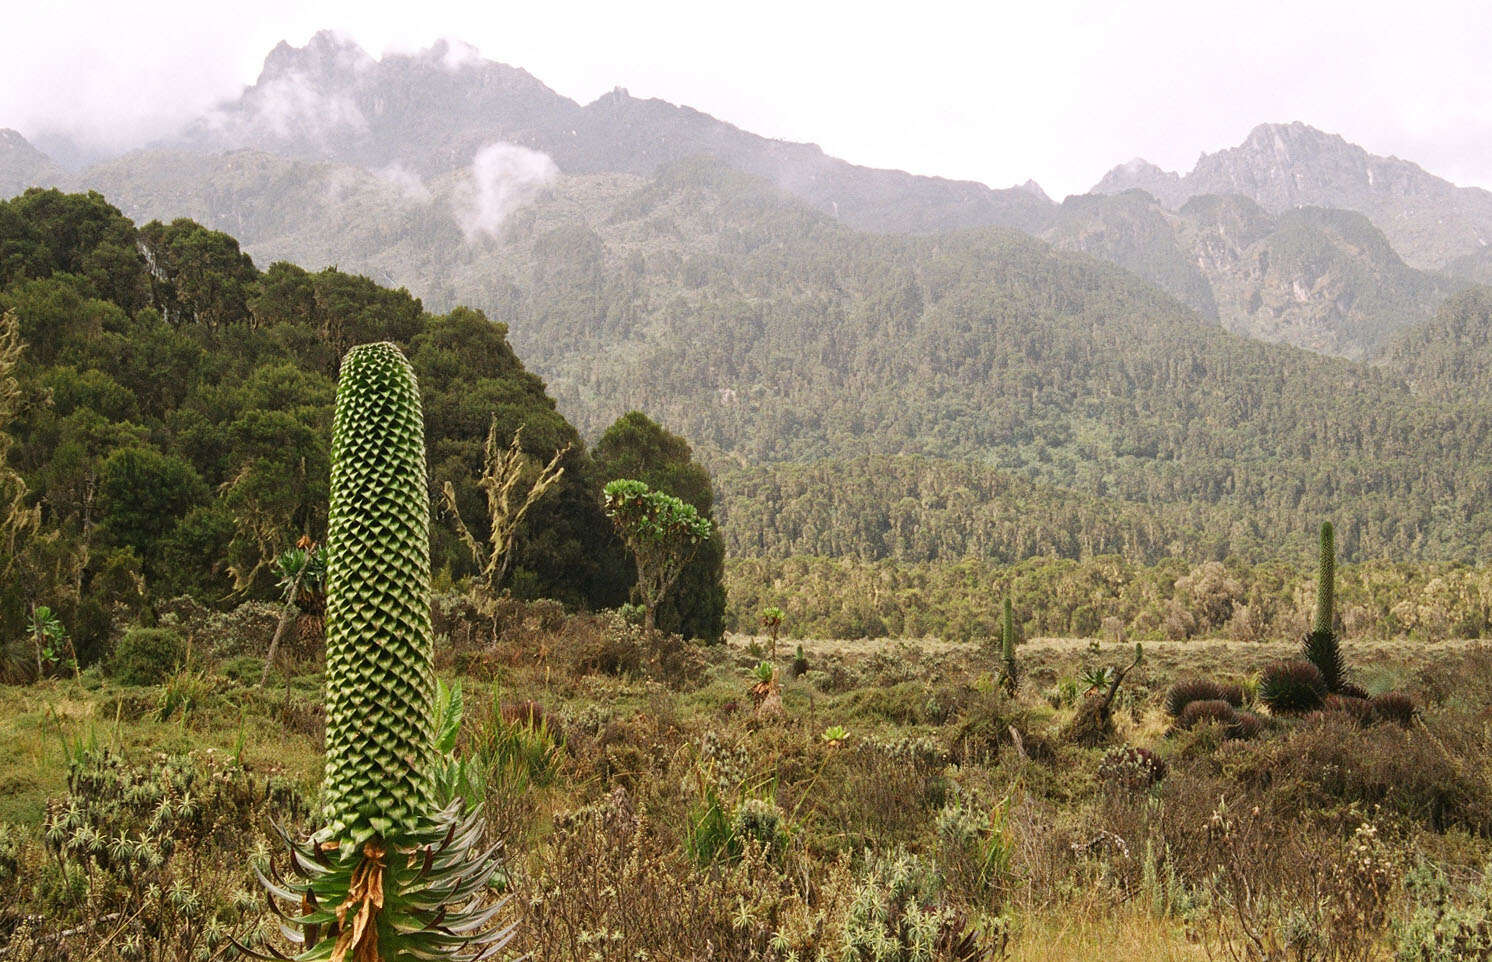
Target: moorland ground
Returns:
[[870, 799]]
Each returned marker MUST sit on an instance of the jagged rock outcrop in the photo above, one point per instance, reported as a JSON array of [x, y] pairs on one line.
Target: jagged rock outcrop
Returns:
[[1431, 222]]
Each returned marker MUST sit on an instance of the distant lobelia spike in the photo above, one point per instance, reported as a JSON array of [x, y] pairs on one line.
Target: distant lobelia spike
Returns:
[[1322, 647], [1009, 671], [387, 876]]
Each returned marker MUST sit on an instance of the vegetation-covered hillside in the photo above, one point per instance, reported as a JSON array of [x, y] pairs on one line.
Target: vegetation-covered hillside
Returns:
[[173, 409], [765, 332]]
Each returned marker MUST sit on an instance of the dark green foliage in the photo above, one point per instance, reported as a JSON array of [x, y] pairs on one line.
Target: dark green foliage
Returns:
[[178, 403], [800, 663], [662, 532], [1292, 687], [1322, 647], [142, 496], [1326, 582], [1213, 711], [637, 447], [1324, 650], [1190, 690], [147, 656]]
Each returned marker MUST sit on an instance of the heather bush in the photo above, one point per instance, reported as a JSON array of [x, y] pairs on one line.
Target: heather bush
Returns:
[[147, 656], [1391, 706]]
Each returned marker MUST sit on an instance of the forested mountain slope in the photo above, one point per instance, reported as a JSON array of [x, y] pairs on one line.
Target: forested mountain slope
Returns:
[[175, 408], [766, 332]]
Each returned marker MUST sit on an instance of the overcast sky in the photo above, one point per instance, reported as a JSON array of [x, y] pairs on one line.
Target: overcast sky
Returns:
[[1056, 90]]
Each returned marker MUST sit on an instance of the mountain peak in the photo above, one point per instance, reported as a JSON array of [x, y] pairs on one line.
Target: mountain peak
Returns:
[[326, 53], [1141, 174], [1034, 189], [1295, 142], [22, 165]]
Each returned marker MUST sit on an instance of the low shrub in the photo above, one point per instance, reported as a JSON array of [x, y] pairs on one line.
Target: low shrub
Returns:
[[1292, 687], [1131, 768], [1354, 708], [1391, 706], [1190, 690], [1213, 711], [147, 656], [1246, 725]]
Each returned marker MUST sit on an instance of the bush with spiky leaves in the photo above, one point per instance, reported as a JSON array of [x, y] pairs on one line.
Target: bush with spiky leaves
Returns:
[[388, 876], [1322, 647], [1292, 687], [1190, 690], [1207, 712]]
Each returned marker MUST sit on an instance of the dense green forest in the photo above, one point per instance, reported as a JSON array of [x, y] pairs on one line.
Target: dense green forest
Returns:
[[1106, 596], [172, 413], [766, 332], [174, 402], [910, 508]]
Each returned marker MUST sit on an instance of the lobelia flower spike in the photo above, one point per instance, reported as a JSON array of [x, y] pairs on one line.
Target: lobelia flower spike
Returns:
[[1322, 647], [387, 877]]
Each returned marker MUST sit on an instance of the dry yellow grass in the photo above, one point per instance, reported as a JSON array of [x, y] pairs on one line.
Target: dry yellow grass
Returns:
[[1080, 934]]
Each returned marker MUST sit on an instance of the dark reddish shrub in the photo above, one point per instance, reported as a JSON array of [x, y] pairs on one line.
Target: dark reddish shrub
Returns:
[[1354, 708], [1190, 690], [1246, 725], [1392, 706], [1214, 710], [1292, 687]]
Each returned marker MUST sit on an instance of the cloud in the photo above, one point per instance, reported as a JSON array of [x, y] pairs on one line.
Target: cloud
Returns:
[[503, 178], [405, 181], [455, 54]]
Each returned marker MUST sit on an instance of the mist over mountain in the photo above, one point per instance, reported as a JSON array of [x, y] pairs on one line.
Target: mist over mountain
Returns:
[[1429, 221], [432, 112], [405, 166], [22, 165]]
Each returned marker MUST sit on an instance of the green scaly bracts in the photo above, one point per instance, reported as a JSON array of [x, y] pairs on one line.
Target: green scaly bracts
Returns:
[[388, 878], [380, 685]]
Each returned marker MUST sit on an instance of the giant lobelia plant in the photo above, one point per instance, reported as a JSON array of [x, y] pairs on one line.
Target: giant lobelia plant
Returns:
[[1322, 647], [388, 876]]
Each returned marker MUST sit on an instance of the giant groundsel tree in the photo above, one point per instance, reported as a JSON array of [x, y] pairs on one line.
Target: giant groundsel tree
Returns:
[[387, 877]]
